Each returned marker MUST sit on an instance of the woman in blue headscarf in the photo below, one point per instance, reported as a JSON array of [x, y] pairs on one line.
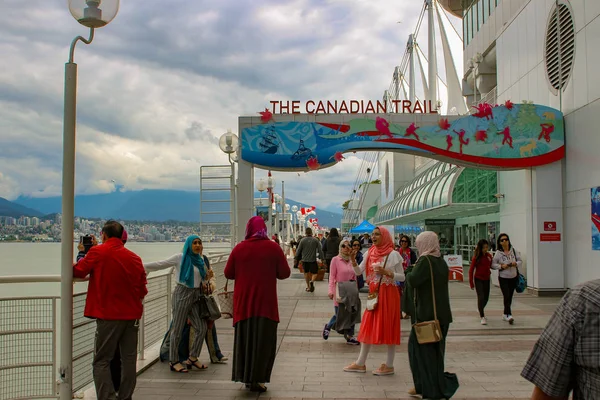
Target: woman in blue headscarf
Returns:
[[193, 277]]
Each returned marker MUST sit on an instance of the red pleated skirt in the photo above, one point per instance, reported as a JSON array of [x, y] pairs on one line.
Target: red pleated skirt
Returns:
[[382, 325]]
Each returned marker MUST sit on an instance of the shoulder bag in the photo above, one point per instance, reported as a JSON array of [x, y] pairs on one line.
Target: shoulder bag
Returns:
[[373, 298], [226, 302], [521, 280], [428, 331]]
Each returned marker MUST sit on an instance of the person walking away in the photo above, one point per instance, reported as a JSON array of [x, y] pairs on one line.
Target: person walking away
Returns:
[[341, 271], [194, 278], [383, 266], [409, 258], [427, 360], [308, 251], [479, 276], [566, 357], [255, 264], [507, 261], [360, 279], [116, 290], [331, 246]]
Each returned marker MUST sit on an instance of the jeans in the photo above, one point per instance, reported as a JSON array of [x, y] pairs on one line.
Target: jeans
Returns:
[[331, 322], [508, 286], [483, 295]]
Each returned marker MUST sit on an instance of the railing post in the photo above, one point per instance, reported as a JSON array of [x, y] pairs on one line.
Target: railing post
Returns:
[[54, 362], [141, 334]]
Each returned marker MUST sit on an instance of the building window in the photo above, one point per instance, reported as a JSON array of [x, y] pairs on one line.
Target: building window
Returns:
[[559, 49]]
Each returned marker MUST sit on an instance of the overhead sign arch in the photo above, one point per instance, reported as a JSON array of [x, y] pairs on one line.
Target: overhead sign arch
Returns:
[[504, 137]]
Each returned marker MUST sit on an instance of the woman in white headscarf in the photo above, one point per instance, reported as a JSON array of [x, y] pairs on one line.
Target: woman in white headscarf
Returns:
[[427, 360]]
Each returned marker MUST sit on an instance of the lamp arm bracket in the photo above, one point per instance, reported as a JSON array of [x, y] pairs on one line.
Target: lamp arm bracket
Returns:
[[74, 42]]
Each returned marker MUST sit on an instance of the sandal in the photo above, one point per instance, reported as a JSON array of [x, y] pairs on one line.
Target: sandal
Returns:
[[308, 289], [191, 364], [258, 387], [183, 369]]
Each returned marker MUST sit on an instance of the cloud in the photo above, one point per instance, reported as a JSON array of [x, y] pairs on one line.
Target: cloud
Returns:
[[162, 82]]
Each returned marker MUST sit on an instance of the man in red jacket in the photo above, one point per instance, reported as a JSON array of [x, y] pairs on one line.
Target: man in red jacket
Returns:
[[116, 289]]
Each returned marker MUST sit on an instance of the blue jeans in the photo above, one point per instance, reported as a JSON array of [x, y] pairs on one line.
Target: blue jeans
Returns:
[[334, 318]]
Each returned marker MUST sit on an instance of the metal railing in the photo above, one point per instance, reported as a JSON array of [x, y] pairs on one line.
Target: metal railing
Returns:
[[29, 334]]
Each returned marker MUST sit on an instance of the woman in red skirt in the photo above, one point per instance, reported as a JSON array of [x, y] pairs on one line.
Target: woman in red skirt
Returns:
[[383, 266]]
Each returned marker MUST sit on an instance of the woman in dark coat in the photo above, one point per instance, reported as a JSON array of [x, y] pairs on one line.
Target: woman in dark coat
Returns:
[[427, 360], [331, 246], [255, 264], [410, 258]]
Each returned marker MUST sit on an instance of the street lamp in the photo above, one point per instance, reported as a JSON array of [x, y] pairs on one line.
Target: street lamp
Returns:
[[91, 14], [261, 186], [229, 143]]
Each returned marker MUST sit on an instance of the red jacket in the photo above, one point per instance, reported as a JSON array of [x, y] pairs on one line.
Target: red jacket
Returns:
[[256, 264], [481, 271], [117, 282]]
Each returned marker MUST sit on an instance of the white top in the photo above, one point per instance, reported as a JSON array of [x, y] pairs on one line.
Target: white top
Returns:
[[175, 262], [502, 258], [394, 263]]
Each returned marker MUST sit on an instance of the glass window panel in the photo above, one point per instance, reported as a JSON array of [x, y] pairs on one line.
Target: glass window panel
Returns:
[[485, 5], [445, 189], [479, 7]]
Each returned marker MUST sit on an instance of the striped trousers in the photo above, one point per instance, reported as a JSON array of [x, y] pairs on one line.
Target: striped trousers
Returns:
[[186, 304]]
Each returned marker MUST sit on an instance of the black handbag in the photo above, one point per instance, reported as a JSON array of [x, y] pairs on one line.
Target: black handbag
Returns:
[[209, 307]]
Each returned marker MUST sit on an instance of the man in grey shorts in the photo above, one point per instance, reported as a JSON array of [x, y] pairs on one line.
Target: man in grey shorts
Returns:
[[308, 251]]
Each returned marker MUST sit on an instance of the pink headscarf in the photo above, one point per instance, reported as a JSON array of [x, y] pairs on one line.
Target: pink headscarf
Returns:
[[428, 244], [256, 228], [385, 246]]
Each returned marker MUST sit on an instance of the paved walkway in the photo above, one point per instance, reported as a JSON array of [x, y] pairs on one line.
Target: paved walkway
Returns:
[[488, 359]]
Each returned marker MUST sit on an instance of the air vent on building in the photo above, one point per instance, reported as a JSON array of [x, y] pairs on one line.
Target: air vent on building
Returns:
[[560, 46]]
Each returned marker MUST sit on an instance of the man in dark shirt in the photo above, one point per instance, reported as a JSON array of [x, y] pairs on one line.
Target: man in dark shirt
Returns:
[[116, 290], [308, 251], [566, 358]]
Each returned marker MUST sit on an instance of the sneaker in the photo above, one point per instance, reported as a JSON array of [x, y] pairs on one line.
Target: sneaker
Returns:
[[510, 319], [355, 368], [352, 341], [383, 370], [484, 321], [504, 317], [326, 332], [413, 393]]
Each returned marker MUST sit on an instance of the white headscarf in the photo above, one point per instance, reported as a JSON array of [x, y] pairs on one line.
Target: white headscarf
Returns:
[[342, 256], [428, 244]]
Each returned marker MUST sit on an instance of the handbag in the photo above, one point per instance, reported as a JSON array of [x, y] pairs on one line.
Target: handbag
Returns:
[[428, 331], [373, 298], [521, 280], [226, 301], [211, 307]]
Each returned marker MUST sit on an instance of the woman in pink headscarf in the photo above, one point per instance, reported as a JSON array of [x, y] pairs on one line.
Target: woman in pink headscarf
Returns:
[[383, 266]]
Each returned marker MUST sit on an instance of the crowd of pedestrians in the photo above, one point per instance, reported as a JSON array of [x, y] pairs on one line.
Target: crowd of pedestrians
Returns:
[[401, 282]]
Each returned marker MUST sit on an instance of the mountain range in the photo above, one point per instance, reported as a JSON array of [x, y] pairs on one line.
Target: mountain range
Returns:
[[143, 205]]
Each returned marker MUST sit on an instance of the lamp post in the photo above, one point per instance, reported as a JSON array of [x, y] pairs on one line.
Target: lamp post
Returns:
[[89, 14], [261, 186], [270, 187], [229, 143], [294, 228]]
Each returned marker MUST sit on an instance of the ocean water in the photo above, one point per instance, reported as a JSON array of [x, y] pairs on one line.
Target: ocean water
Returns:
[[44, 259]]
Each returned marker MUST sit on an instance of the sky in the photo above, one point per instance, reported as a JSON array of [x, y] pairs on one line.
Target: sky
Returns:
[[162, 82]]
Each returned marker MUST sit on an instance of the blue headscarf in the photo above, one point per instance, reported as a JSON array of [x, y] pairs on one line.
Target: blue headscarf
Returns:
[[189, 261]]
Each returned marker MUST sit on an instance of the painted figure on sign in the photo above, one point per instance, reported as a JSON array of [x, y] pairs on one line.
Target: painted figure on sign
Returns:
[[547, 129], [383, 127], [528, 148], [507, 138], [412, 131], [444, 124], [483, 111], [481, 136], [266, 116], [461, 139], [449, 142]]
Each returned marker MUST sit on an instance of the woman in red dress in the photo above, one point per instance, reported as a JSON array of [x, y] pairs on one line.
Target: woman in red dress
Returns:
[[383, 266]]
